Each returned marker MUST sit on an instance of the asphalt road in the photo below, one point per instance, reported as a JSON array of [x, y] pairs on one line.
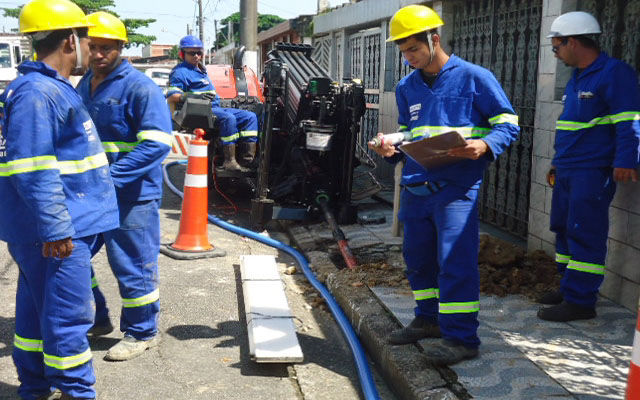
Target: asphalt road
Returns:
[[204, 353]]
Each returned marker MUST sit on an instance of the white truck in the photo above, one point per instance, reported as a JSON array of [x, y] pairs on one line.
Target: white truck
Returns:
[[11, 55]]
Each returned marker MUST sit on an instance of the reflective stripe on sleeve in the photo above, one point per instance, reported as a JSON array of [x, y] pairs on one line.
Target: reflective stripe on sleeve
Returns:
[[67, 362], [458, 308], [142, 301], [174, 88], [119, 147], [596, 269], [504, 119], [25, 344], [432, 293], [156, 136], [562, 258]]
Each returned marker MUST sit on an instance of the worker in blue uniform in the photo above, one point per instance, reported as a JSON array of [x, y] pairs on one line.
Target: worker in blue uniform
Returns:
[[596, 145], [134, 125], [439, 206], [57, 195], [235, 125]]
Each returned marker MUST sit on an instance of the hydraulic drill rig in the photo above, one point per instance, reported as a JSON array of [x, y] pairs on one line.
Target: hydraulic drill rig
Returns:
[[308, 140]]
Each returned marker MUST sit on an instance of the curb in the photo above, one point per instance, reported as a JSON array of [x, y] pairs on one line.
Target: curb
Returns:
[[404, 368]]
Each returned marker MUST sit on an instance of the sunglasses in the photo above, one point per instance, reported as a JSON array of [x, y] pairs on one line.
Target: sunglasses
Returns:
[[563, 42], [193, 53]]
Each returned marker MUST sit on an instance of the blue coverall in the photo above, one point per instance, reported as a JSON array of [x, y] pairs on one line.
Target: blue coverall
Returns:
[[235, 124], [597, 131], [55, 184], [133, 122], [441, 219]]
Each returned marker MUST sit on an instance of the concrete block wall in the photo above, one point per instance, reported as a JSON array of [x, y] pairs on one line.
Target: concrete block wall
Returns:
[[622, 277]]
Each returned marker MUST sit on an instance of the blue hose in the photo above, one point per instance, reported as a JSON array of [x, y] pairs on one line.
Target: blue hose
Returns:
[[364, 372]]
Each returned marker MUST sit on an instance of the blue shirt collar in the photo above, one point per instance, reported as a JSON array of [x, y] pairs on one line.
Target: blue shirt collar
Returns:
[[42, 68], [596, 65]]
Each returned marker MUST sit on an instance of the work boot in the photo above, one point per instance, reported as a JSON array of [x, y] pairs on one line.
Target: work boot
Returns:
[[565, 312], [447, 352], [551, 298], [54, 395], [248, 153], [101, 328], [130, 347], [69, 397], [230, 163], [418, 329]]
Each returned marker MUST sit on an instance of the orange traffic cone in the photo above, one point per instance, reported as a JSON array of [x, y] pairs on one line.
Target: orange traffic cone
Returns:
[[633, 380], [192, 241]]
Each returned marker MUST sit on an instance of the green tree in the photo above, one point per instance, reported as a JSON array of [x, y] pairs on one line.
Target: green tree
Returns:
[[91, 6], [265, 21], [174, 53]]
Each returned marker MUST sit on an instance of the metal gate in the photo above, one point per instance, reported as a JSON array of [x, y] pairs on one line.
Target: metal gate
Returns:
[[620, 23], [364, 51], [503, 36]]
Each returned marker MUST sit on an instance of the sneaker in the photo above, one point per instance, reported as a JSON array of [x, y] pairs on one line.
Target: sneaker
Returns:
[[130, 347], [53, 395], [101, 328], [418, 329], [551, 298], [565, 312], [447, 352]]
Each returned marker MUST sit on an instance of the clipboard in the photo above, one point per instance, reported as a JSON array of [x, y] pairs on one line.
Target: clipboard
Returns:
[[431, 153]]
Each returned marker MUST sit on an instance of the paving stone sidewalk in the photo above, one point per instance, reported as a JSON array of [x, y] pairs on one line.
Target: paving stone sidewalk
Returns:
[[521, 356]]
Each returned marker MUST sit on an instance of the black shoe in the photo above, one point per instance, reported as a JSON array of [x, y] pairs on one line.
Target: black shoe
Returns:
[[551, 298], [418, 329], [101, 328], [447, 352], [54, 395], [565, 312]]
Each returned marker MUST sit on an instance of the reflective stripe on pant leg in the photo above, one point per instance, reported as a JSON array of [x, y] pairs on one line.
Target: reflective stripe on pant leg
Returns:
[[419, 251], [591, 193], [27, 344], [227, 124], [133, 255], [247, 125], [459, 281], [69, 313]]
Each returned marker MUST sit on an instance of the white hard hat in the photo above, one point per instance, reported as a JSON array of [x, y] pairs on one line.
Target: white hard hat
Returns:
[[574, 23]]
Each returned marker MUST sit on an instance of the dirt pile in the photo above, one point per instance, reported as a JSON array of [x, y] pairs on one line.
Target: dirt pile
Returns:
[[504, 269]]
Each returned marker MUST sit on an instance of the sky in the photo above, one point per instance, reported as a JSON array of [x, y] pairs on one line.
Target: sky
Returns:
[[173, 15]]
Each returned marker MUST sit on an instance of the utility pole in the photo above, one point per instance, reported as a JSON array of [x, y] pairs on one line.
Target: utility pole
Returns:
[[215, 34], [200, 21], [249, 24], [249, 32]]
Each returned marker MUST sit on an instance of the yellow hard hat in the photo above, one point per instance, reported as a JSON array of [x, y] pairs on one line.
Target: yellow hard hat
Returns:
[[107, 26], [50, 15], [412, 19]]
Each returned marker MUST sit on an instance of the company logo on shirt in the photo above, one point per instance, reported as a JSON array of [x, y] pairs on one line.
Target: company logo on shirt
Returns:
[[90, 130], [415, 111], [3, 145], [204, 81], [585, 95]]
